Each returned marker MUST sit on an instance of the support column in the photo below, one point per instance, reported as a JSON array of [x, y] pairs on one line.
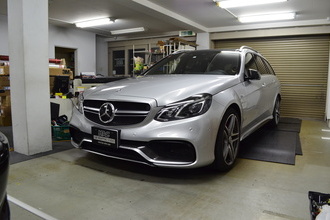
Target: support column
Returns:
[[327, 103], [29, 75]]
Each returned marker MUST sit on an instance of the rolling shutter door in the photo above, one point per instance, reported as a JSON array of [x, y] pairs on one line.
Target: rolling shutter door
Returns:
[[301, 64]]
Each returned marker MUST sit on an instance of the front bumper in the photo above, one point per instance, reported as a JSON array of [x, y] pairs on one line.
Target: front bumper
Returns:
[[183, 143], [153, 153]]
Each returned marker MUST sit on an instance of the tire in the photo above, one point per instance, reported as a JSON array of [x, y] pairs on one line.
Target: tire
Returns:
[[5, 210], [227, 143], [276, 113]]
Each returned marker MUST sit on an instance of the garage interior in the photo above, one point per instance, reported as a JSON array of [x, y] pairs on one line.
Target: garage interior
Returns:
[[49, 179]]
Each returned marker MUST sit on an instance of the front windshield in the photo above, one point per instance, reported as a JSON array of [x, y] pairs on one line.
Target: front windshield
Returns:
[[198, 62]]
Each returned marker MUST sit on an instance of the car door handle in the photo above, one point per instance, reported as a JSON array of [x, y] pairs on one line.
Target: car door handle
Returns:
[[263, 85]]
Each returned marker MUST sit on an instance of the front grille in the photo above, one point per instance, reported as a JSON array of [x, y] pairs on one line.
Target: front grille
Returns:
[[126, 113]]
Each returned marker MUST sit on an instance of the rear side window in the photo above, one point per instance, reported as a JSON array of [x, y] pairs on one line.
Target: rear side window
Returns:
[[263, 70], [269, 67]]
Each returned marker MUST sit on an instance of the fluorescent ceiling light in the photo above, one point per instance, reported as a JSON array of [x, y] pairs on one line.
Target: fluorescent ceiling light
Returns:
[[267, 17], [242, 3], [127, 31], [95, 22]]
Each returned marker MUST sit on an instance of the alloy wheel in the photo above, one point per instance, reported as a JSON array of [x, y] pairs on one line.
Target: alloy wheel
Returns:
[[277, 111], [230, 139]]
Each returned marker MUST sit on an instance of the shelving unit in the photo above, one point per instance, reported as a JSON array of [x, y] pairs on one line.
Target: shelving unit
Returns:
[[164, 48], [174, 44]]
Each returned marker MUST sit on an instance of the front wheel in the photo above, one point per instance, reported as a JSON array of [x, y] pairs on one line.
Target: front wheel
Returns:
[[276, 113], [227, 143]]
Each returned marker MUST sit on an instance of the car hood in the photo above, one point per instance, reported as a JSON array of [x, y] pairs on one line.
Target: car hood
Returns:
[[164, 89]]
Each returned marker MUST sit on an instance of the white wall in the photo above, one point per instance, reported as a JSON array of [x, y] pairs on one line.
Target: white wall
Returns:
[[78, 39], [101, 56], [83, 41], [4, 50], [203, 41], [327, 113]]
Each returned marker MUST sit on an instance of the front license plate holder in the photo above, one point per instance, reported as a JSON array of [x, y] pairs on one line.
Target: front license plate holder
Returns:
[[106, 137]]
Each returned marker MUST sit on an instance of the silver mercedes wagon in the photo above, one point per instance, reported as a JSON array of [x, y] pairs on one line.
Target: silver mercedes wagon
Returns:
[[190, 109]]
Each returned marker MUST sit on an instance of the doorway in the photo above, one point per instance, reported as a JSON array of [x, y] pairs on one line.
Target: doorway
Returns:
[[69, 54]]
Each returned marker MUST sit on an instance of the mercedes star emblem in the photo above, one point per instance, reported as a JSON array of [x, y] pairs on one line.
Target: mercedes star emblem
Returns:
[[107, 112]]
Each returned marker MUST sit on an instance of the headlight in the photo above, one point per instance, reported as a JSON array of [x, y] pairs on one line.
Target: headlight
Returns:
[[190, 107], [78, 103]]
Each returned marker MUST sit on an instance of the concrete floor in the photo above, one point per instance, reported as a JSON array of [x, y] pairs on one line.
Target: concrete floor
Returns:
[[74, 184]]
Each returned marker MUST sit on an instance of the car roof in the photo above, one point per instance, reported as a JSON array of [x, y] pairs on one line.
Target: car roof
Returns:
[[204, 51], [241, 49]]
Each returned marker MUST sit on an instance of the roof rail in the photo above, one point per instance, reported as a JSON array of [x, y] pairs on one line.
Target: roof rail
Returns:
[[247, 47]]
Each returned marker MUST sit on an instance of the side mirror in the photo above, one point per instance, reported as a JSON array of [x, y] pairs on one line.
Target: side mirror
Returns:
[[252, 74]]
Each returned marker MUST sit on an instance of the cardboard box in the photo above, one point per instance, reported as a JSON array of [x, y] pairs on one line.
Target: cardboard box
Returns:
[[4, 81], [5, 121], [5, 111], [55, 71], [51, 80], [5, 101], [6, 93], [51, 84], [7, 70], [4, 70]]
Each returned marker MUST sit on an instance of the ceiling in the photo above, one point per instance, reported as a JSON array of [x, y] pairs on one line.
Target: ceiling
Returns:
[[165, 17]]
